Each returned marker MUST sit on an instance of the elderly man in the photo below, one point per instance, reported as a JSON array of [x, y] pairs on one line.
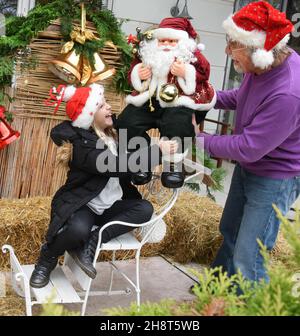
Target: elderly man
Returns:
[[266, 143]]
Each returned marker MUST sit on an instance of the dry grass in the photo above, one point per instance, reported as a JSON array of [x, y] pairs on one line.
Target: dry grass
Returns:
[[11, 304], [23, 223]]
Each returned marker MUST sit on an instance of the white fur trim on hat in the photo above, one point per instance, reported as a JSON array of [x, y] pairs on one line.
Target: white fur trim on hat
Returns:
[[170, 33], [96, 98]]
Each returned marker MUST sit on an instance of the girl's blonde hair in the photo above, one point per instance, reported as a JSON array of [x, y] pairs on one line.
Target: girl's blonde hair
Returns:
[[65, 152], [110, 132]]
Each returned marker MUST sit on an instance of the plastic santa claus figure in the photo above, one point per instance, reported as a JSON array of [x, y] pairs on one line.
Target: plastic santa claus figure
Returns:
[[170, 82]]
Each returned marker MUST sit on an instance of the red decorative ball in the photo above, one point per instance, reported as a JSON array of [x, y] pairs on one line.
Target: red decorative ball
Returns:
[[2, 110]]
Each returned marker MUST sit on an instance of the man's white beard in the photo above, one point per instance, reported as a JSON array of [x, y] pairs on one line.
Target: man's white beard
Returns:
[[238, 69], [160, 61]]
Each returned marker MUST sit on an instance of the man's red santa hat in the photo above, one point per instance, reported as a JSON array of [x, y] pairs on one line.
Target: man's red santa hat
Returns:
[[261, 26], [82, 103], [176, 28]]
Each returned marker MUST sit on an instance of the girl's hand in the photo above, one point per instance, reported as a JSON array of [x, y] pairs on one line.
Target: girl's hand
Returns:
[[144, 72], [168, 146]]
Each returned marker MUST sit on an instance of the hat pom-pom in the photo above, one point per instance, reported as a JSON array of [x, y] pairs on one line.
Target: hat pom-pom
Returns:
[[201, 46], [262, 58], [97, 87], [69, 92]]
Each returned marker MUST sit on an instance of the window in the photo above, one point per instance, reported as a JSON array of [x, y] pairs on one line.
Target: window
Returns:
[[8, 7], [293, 13], [275, 3]]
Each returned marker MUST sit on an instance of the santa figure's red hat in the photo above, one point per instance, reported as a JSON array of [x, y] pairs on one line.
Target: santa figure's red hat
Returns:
[[176, 28], [82, 103], [262, 27]]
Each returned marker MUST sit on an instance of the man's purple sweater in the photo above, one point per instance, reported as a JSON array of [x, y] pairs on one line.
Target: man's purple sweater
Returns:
[[266, 140]]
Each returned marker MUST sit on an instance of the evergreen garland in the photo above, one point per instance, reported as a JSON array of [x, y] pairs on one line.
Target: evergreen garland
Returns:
[[21, 30]]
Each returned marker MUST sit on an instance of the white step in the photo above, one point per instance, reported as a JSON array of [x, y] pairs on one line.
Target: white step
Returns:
[[59, 287]]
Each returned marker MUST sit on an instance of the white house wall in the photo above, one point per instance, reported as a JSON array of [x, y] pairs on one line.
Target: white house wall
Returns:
[[24, 7], [208, 17]]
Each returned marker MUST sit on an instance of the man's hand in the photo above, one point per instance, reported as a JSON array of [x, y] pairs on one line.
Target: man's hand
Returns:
[[178, 69], [144, 72]]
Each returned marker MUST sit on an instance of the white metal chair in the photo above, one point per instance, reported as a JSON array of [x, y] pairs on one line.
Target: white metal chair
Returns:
[[61, 290]]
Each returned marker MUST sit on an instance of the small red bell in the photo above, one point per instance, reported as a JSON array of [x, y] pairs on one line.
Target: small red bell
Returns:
[[7, 134]]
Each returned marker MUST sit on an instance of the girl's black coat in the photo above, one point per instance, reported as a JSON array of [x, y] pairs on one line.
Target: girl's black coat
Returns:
[[84, 181]]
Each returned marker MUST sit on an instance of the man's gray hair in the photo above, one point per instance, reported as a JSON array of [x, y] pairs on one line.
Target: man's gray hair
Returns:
[[277, 53]]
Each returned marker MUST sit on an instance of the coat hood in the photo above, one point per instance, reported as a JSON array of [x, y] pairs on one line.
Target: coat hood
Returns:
[[65, 132]]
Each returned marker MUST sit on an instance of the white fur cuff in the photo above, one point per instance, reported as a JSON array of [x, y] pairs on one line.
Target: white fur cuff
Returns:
[[188, 85], [136, 82]]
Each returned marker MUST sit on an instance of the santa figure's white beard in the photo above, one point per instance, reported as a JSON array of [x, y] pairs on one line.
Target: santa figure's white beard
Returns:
[[160, 60]]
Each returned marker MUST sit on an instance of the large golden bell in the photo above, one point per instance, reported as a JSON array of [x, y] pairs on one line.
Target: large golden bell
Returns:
[[168, 93], [67, 67], [101, 70]]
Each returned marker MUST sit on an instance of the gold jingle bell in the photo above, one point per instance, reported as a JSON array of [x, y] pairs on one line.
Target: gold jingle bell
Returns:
[[101, 70], [67, 67], [168, 93]]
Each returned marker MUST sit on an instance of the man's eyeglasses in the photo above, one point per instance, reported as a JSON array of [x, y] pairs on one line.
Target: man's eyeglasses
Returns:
[[231, 43]]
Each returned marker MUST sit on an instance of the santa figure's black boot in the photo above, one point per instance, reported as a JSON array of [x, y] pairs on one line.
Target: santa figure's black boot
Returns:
[[174, 178], [141, 178]]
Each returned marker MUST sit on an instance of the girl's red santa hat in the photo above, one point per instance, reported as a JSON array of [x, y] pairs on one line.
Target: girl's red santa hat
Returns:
[[82, 103], [262, 27]]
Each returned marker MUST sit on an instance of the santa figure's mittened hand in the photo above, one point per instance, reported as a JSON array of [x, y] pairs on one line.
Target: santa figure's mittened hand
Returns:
[[144, 72], [178, 69]]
